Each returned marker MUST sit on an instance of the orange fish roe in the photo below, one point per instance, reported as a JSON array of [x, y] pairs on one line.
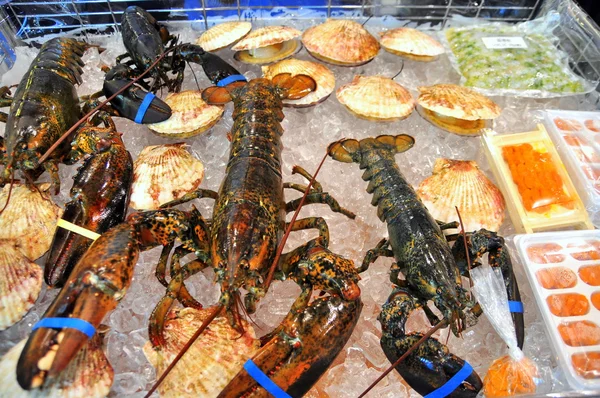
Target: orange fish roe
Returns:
[[588, 250], [536, 178], [567, 124], [556, 278], [587, 364], [580, 333], [568, 304], [507, 377], [593, 125], [596, 300], [590, 275], [544, 253]]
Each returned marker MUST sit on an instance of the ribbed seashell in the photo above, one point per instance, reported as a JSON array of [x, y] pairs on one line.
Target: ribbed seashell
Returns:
[[88, 375], [376, 98], [210, 363], [457, 102], [190, 115], [20, 284], [321, 74], [266, 36], [163, 173], [340, 42], [29, 220], [460, 183], [222, 35], [411, 43]]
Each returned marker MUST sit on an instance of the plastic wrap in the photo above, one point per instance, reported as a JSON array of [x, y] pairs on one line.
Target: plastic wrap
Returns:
[[517, 60], [513, 373]]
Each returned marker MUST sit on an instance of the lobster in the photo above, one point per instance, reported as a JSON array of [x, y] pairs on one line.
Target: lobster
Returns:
[[146, 41], [432, 269]]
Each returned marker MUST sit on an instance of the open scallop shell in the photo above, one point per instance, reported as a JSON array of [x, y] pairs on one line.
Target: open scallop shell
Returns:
[[376, 98], [411, 43], [457, 109], [222, 35], [20, 284], [190, 115], [29, 220], [163, 173], [460, 183], [322, 75], [341, 42], [210, 363], [88, 375], [268, 44]]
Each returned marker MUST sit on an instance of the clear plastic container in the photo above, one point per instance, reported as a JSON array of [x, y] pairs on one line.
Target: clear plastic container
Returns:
[[563, 269]]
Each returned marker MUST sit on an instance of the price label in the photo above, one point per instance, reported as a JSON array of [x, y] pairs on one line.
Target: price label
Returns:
[[502, 42]]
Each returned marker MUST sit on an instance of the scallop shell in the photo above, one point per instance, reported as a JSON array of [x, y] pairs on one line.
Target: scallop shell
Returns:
[[20, 284], [211, 362], [190, 115], [163, 173], [457, 102], [88, 375], [266, 36], [222, 35], [29, 220], [460, 183], [376, 98], [341, 42], [321, 74], [411, 42]]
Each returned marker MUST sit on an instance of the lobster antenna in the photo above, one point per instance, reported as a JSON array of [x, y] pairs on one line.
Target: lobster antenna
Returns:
[[91, 112], [289, 228], [431, 331], [194, 74], [400, 71], [10, 188], [364, 23], [462, 229]]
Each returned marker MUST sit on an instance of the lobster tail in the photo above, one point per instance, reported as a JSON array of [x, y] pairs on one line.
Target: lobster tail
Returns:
[[350, 150]]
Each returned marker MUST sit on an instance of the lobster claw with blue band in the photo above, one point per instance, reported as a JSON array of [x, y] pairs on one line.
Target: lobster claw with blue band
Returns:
[[146, 40]]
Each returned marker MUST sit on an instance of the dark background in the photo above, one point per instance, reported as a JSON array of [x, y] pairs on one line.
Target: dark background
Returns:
[[592, 7]]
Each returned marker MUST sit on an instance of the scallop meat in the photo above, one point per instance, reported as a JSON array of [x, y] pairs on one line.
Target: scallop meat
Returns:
[[460, 183], [376, 98], [163, 173], [411, 43], [268, 44], [223, 35], [321, 74]]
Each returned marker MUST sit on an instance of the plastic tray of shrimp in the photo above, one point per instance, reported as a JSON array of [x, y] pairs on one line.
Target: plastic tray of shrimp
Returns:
[[577, 138], [563, 269]]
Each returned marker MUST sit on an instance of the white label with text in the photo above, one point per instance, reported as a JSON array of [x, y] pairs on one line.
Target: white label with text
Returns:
[[495, 43]]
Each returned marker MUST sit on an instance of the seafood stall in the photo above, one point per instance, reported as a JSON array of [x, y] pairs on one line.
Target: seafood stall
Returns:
[[181, 213]]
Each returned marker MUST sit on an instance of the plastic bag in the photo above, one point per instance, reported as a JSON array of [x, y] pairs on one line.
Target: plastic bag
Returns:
[[513, 59], [513, 373]]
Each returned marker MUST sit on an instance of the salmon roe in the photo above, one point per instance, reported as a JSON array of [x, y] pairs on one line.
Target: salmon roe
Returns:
[[590, 275], [580, 333], [596, 300], [568, 304], [587, 364], [556, 278], [536, 177]]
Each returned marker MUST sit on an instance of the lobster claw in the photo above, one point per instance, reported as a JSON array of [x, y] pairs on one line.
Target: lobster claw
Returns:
[[129, 102], [215, 68]]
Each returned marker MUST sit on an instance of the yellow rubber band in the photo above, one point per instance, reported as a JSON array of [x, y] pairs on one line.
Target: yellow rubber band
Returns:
[[77, 229]]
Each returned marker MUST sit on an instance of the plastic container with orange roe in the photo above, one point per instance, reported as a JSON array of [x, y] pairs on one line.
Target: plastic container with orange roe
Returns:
[[563, 269]]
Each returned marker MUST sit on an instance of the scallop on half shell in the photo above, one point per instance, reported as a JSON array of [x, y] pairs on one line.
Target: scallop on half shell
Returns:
[[340, 42], [376, 98], [223, 35], [190, 115], [321, 74], [268, 44], [29, 220], [457, 109], [460, 183], [412, 44], [88, 375], [211, 362], [163, 173]]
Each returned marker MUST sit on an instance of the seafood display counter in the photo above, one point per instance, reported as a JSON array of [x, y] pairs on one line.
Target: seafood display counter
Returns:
[[180, 215]]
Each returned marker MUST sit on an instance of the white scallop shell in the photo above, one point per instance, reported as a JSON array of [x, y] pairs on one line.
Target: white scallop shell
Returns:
[[222, 35], [458, 102], [163, 173], [376, 98], [265, 37], [411, 41], [460, 183], [88, 375], [211, 362], [20, 284], [29, 220], [321, 74], [190, 115]]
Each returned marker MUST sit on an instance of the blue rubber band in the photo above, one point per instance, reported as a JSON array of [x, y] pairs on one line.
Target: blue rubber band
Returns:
[[144, 107], [453, 383], [264, 380], [231, 79], [515, 306], [73, 323]]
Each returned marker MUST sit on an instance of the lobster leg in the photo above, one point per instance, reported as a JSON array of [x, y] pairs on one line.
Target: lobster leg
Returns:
[[381, 250], [197, 194], [322, 198]]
